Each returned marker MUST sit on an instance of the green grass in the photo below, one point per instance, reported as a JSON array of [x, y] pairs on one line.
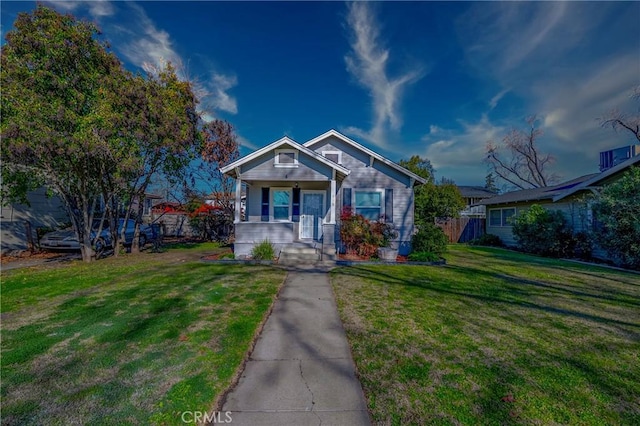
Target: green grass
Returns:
[[494, 337], [134, 339]]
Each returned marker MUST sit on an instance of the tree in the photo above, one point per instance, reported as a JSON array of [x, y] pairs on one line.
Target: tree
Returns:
[[420, 166], [58, 122], [518, 160], [74, 120], [433, 201], [619, 120], [617, 209], [220, 147], [163, 122], [490, 183]]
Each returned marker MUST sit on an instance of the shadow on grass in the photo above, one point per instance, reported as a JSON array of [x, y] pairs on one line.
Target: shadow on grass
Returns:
[[561, 379]]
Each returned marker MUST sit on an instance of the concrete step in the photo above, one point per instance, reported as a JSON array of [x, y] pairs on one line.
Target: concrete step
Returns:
[[299, 250], [295, 255]]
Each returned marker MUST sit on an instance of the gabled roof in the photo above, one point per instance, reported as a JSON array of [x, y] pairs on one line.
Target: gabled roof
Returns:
[[598, 178], [230, 169], [536, 194], [334, 133], [475, 192]]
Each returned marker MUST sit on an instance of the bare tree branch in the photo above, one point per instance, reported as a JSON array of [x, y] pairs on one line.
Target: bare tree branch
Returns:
[[619, 120], [521, 165]]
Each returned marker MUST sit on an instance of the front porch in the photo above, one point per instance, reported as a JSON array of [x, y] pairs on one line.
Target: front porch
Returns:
[[283, 235]]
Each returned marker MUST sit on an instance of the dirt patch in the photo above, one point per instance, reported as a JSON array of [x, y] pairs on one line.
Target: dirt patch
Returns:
[[16, 256]]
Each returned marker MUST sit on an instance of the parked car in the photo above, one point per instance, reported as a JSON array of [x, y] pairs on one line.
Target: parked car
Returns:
[[66, 239]]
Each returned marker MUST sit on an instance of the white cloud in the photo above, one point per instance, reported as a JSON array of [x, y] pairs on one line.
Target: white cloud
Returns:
[[367, 62], [459, 152], [97, 8], [494, 101], [569, 63], [245, 143]]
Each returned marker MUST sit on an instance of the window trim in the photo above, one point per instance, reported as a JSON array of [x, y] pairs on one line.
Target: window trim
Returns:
[[276, 160], [381, 191], [272, 203], [338, 153], [503, 223]]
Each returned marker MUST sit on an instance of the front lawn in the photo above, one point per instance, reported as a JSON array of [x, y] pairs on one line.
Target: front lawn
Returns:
[[494, 337], [136, 339]]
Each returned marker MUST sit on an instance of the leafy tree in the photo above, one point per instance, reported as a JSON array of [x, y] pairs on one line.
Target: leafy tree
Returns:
[[74, 120], [518, 161], [58, 117], [617, 208], [162, 120], [433, 201], [420, 166]]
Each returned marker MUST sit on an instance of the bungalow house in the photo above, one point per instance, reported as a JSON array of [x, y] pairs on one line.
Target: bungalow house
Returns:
[[296, 192], [472, 196], [567, 197]]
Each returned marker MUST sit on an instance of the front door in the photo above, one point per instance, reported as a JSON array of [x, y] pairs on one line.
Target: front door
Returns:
[[312, 213]]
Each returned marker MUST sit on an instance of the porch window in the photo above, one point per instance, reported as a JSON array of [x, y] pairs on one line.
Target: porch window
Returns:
[[369, 203], [286, 158], [281, 200]]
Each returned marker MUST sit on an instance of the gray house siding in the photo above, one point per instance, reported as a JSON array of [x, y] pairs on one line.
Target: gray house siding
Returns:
[[376, 176], [44, 212], [574, 210], [263, 168]]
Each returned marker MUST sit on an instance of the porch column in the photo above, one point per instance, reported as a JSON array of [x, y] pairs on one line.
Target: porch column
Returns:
[[332, 209], [238, 209]]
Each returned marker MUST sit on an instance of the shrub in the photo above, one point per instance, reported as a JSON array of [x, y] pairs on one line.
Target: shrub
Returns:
[[362, 236], [228, 256], [617, 209], [424, 256], [544, 232], [487, 240], [583, 245], [263, 251], [429, 238]]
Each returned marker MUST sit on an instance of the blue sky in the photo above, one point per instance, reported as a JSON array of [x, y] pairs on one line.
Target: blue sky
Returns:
[[435, 79]]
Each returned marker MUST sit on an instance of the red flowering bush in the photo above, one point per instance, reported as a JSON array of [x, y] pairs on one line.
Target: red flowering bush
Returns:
[[361, 236]]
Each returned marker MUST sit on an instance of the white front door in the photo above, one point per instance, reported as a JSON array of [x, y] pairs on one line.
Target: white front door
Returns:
[[312, 209]]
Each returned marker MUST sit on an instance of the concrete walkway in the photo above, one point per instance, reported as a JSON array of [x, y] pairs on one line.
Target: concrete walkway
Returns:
[[301, 371]]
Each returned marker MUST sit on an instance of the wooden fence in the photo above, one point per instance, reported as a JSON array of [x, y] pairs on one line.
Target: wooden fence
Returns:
[[463, 229]]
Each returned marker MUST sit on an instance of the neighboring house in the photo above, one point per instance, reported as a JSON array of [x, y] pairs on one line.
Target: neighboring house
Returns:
[[221, 199], [472, 196], [172, 218], [43, 212], [567, 197], [296, 192], [471, 223]]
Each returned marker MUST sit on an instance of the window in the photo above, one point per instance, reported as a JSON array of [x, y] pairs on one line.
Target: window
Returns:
[[335, 156], [501, 217], [369, 203], [286, 158], [281, 204]]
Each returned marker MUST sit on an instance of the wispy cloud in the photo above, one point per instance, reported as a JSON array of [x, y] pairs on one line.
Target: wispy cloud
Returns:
[[569, 63], [459, 152], [367, 62], [97, 8]]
